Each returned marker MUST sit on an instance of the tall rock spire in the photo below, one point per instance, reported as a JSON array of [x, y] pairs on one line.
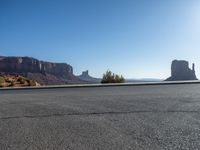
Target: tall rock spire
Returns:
[[193, 67]]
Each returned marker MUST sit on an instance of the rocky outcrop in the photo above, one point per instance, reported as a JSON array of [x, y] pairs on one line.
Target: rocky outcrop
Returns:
[[46, 73], [86, 77], [180, 71], [16, 81]]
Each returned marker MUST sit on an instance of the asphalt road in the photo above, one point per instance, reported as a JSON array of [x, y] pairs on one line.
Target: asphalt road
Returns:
[[152, 117]]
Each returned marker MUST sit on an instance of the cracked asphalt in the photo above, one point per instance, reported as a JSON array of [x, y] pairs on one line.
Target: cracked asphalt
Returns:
[[152, 117]]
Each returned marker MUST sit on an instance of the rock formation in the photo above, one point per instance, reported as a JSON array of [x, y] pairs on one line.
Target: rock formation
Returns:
[[45, 73], [86, 77], [16, 81], [180, 71]]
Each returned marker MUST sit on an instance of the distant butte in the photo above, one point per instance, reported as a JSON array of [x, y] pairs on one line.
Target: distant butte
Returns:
[[86, 77], [180, 71]]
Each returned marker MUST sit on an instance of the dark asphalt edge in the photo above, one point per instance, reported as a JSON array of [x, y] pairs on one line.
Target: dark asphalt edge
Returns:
[[102, 85], [92, 114]]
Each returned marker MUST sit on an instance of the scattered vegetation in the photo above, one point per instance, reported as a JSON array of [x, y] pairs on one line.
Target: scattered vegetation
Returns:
[[110, 77]]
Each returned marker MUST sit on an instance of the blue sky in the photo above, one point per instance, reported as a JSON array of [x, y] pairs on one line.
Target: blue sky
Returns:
[[135, 38]]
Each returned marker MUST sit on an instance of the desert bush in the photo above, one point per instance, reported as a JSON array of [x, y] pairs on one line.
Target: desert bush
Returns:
[[110, 77]]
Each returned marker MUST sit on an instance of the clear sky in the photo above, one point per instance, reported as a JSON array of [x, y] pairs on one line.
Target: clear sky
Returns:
[[135, 38]]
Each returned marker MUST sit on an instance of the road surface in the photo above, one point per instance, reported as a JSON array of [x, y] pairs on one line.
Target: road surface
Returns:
[[153, 117]]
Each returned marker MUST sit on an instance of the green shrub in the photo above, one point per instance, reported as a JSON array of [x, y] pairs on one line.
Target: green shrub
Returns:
[[110, 77]]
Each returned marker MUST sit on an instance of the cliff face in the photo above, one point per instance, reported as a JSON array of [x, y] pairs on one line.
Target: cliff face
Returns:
[[180, 71], [27, 64], [45, 72]]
